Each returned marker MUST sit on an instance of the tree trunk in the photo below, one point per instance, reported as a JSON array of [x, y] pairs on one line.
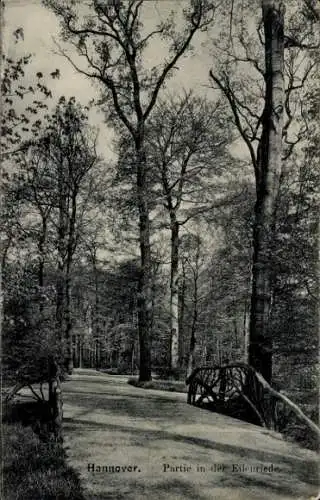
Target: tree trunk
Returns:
[[69, 259], [219, 353], [145, 281], [41, 248], [246, 316], [191, 359], [246, 330], [60, 285], [192, 348], [55, 394], [96, 328], [68, 322], [55, 399], [267, 182], [80, 352], [182, 311], [5, 248], [174, 292], [235, 323], [60, 292]]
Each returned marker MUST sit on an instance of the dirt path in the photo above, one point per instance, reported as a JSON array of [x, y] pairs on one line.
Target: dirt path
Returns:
[[130, 443]]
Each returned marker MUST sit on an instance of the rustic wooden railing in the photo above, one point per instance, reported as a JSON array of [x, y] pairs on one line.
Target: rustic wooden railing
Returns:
[[29, 377], [239, 390]]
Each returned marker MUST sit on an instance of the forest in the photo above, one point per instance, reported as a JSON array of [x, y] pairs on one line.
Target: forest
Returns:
[[196, 242]]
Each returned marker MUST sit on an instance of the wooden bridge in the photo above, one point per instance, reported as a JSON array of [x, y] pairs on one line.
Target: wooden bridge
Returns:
[[240, 391]]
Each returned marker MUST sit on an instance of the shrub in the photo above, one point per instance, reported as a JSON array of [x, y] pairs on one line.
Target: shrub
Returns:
[[160, 385], [35, 469], [301, 434]]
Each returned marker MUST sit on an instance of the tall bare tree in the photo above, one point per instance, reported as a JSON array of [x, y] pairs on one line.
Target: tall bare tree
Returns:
[[111, 40], [187, 140], [268, 171], [68, 147], [265, 121]]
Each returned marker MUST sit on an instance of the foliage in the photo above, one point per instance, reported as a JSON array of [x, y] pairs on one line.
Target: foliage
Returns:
[[20, 124], [159, 385], [187, 139], [56, 180], [29, 337], [34, 469]]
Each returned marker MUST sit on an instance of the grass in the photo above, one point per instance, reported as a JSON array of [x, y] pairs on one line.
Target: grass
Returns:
[[34, 468], [295, 429], [298, 431], [301, 434], [160, 385]]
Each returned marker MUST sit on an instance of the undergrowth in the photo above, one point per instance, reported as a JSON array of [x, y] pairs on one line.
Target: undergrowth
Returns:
[[33, 467], [161, 385]]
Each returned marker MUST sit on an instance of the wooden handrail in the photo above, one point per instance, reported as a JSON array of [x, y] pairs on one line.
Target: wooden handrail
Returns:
[[242, 380]]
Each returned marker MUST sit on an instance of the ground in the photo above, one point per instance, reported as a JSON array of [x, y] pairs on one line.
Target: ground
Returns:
[[131, 443]]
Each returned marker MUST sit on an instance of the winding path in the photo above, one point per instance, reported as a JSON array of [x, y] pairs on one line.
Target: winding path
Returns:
[[130, 444]]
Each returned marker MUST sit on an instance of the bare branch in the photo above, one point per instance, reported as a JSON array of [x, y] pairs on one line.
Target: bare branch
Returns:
[[218, 204], [196, 25], [89, 31], [235, 110], [248, 58], [312, 9], [290, 42], [108, 82]]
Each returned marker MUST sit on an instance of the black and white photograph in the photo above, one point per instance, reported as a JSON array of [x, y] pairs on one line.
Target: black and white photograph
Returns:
[[160, 249]]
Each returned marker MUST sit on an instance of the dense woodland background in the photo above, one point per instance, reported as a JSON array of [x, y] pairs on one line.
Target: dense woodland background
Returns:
[[144, 263]]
